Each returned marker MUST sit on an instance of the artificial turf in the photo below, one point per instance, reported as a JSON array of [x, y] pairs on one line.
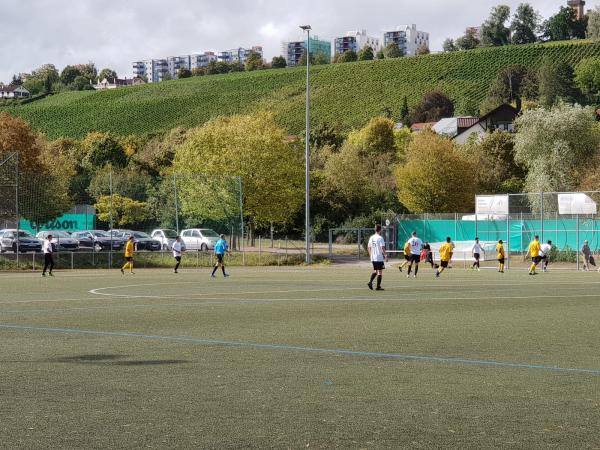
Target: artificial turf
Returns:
[[300, 358]]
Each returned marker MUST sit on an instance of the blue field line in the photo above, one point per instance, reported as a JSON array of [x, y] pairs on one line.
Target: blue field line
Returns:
[[284, 347]]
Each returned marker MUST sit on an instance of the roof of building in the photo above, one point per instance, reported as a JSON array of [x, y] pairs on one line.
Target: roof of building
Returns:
[[420, 126], [12, 88], [485, 117]]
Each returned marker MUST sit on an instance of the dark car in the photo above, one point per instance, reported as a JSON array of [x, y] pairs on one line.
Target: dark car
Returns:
[[27, 242], [142, 240], [61, 240], [97, 240]]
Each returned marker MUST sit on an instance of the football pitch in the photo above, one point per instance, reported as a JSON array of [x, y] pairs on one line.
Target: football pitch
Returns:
[[300, 358]]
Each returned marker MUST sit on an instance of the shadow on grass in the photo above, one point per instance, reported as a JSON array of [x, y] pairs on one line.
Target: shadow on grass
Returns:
[[115, 360]]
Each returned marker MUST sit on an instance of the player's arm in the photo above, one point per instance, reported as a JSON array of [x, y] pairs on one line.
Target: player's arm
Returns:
[[383, 251]]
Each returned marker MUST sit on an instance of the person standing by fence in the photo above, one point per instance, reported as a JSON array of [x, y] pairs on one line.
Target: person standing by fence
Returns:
[[587, 253], [129, 250], [48, 249], [178, 249], [406, 256], [501, 255], [477, 251], [376, 247], [545, 250]]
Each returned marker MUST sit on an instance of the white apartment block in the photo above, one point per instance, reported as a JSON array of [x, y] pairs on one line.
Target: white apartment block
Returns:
[[355, 41], [239, 55], [408, 38]]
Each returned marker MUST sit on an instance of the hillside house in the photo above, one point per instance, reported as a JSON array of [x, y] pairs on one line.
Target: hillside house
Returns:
[[114, 83], [14, 92]]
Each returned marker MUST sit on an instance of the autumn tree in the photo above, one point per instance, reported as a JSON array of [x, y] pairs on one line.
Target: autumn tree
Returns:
[[433, 107]]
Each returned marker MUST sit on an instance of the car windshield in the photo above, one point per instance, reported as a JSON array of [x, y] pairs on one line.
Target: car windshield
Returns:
[[139, 234], [170, 234], [25, 234], [209, 233], [101, 234], [60, 234]]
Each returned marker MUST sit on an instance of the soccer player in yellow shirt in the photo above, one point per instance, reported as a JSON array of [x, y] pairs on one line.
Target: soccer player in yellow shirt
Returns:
[[129, 250], [406, 256], [534, 251], [501, 255], [446, 251]]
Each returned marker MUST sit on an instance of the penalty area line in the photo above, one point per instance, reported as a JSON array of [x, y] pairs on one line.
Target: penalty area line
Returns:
[[295, 348]]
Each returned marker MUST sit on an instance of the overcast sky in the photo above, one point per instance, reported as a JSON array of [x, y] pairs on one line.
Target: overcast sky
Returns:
[[113, 33]]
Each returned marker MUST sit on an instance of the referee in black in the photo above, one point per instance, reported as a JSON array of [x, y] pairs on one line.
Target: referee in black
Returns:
[[48, 249]]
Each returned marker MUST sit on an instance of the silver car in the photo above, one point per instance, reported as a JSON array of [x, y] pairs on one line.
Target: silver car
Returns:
[[165, 236], [203, 239], [61, 240]]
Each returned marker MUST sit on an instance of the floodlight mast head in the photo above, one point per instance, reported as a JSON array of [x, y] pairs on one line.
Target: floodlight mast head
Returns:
[[305, 27]]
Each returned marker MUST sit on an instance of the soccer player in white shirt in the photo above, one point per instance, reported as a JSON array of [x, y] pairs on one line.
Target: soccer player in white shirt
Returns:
[[48, 250], [376, 248], [545, 255], [178, 249], [416, 245], [477, 251]]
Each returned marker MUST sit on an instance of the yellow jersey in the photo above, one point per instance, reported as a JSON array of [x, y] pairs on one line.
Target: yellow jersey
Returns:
[[446, 251], [534, 248], [500, 250], [129, 249], [407, 248]]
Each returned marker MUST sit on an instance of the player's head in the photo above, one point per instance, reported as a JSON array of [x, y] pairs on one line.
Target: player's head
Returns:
[[178, 238], [586, 242], [222, 236], [448, 239], [476, 239], [500, 242], [49, 237], [130, 238], [536, 237], [377, 228], [414, 234], [549, 242]]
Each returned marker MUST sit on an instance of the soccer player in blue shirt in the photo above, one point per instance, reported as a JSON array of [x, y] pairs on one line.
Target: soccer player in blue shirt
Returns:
[[220, 248]]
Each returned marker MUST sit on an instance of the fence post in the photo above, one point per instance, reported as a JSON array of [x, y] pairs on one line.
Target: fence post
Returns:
[[507, 250], [72, 257], [330, 243], [359, 236], [32, 261], [542, 216], [577, 249], [259, 250]]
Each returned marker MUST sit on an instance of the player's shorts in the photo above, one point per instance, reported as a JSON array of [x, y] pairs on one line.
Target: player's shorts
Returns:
[[544, 258], [129, 258], [476, 256], [415, 259], [378, 265], [536, 259], [444, 264], [219, 258], [178, 258], [407, 257], [501, 260]]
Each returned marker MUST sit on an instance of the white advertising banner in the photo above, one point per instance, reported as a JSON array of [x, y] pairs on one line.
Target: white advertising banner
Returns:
[[491, 204], [576, 204]]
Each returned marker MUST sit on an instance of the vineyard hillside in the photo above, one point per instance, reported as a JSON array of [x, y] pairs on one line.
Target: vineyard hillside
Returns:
[[345, 94]]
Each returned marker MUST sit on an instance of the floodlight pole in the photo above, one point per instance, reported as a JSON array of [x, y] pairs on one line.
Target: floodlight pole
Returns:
[[18, 214], [176, 202], [307, 28]]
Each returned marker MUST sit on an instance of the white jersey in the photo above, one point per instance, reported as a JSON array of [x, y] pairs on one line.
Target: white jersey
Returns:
[[47, 247], [376, 245], [545, 249], [477, 248], [178, 248], [416, 245]]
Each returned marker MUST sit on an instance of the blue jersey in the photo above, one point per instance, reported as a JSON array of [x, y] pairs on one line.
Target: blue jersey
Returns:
[[221, 247]]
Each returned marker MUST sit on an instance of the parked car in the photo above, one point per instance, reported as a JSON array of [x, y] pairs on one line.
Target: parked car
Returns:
[[203, 239], [97, 240], [27, 242], [61, 239], [141, 240], [165, 236]]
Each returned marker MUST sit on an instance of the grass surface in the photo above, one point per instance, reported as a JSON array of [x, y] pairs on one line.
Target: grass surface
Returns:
[[274, 358], [345, 94]]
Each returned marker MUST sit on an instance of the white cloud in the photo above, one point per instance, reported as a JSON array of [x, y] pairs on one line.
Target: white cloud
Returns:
[[113, 33]]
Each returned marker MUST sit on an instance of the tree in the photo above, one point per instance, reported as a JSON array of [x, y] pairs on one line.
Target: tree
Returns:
[[254, 148], [553, 145], [404, 111], [587, 78], [374, 138], [102, 149], [380, 54], [198, 71], [278, 62], [184, 72], [321, 58], [423, 50], [393, 50], [433, 107], [564, 25], [254, 61], [81, 84], [236, 66], [509, 86], [302, 60], [448, 45], [42, 79], [108, 74], [494, 158], [68, 75], [349, 56], [525, 24], [556, 82], [157, 154], [88, 71], [366, 54], [468, 42], [449, 184], [16, 81], [593, 26], [494, 31], [325, 134], [129, 182], [122, 210]]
